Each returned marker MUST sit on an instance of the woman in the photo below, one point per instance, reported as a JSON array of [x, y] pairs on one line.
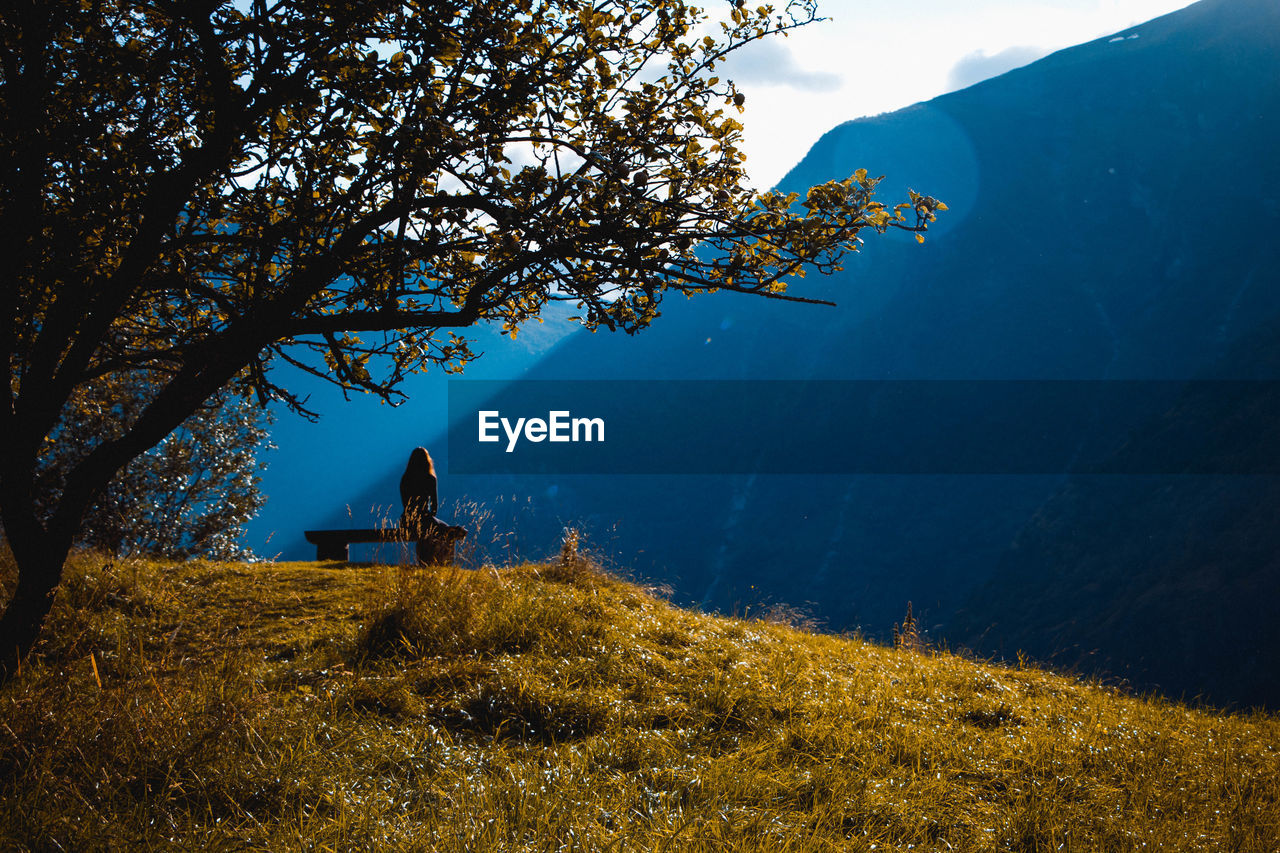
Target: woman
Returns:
[[421, 502]]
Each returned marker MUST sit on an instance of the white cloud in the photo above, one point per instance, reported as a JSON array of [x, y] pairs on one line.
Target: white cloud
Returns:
[[770, 63], [979, 65]]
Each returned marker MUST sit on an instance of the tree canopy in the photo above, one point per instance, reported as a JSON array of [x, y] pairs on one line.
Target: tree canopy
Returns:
[[196, 192]]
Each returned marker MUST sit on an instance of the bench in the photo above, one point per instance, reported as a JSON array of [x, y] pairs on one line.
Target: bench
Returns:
[[332, 544]]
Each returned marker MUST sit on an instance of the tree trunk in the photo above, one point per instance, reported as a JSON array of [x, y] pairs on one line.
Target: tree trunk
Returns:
[[40, 552], [39, 572]]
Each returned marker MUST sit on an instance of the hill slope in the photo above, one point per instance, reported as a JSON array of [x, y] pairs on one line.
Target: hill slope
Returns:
[[551, 707]]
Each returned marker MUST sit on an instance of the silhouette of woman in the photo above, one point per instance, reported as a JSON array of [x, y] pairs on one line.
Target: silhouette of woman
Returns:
[[418, 494], [435, 538]]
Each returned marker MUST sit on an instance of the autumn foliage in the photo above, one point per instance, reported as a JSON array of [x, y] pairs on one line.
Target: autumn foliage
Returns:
[[194, 193]]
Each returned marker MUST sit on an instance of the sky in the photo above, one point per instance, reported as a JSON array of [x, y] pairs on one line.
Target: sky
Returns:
[[874, 56]]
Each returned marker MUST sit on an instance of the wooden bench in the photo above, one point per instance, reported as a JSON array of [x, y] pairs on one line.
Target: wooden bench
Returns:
[[332, 544]]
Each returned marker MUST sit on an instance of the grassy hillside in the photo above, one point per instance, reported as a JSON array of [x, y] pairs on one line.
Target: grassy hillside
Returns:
[[550, 707]]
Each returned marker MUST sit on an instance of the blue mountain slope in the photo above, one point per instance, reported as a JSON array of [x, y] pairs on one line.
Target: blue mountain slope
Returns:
[[1169, 582]]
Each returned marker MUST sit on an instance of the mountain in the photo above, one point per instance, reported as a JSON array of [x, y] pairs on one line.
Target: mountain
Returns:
[[1113, 211], [1169, 582]]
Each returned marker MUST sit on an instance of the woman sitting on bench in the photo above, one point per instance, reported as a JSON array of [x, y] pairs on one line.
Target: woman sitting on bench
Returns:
[[421, 502]]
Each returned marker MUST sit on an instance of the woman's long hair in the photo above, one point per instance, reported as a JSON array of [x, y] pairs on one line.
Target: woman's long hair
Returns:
[[420, 465]]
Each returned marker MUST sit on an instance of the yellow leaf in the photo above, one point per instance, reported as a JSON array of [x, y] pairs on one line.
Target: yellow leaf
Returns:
[[449, 49], [919, 238]]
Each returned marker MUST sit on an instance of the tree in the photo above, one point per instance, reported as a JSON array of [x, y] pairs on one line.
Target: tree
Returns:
[[190, 495], [196, 192]]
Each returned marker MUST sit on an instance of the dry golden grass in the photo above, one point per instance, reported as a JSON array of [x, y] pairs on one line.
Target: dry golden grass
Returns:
[[294, 706]]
